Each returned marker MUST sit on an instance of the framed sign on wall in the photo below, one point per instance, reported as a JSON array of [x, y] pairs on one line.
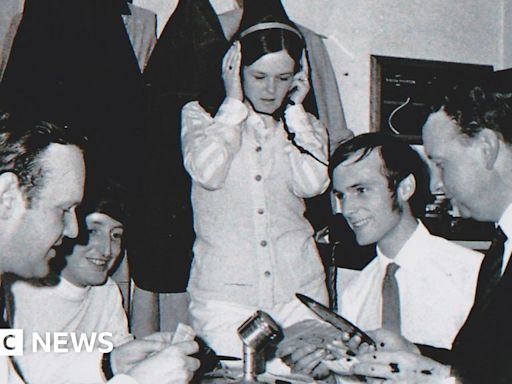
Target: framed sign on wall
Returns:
[[402, 91]]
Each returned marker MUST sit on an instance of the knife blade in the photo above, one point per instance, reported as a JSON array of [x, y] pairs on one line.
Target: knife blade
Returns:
[[334, 319]]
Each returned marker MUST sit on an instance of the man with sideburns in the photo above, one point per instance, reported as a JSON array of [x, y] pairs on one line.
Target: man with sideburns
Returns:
[[468, 137], [419, 285]]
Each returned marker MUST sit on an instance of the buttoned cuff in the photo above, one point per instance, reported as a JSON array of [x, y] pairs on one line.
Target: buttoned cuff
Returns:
[[231, 112]]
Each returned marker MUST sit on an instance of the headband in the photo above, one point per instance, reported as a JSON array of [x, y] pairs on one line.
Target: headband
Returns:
[[270, 25]]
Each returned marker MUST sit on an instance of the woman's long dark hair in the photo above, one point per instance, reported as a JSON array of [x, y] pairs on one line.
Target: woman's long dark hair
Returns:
[[259, 43], [262, 42]]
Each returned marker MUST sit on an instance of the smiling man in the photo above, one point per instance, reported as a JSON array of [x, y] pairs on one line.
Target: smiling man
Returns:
[[419, 285], [381, 185], [42, 176], [468, 136], [38, 203], [78, 295]]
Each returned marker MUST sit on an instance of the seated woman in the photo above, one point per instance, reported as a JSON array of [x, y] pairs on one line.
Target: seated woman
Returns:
[[252, 163], [79, 297]]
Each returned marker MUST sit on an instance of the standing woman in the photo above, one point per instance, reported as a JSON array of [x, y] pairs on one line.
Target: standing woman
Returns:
[[252, 162]]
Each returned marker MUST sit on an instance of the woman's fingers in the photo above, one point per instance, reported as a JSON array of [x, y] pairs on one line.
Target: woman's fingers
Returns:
[[232, 58], [300, 87], [304, 63], [231, 71]]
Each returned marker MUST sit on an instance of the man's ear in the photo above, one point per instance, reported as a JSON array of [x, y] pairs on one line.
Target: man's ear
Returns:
[[406, 188], [10, 194], [490, 146]]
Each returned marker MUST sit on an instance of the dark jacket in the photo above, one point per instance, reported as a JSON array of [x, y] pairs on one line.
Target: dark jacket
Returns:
[[481, 350], [72, 63]]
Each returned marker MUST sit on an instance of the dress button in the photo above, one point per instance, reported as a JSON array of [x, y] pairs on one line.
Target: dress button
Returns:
[[261, 211], [267, 273], [258, 149], [257, 178], [263, 243]]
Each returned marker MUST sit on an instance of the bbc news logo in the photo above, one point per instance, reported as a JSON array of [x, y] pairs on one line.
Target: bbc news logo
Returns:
[[11, 342]]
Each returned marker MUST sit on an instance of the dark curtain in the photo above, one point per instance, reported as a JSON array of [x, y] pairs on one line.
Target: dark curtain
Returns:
[[184, 66], [72, 63]]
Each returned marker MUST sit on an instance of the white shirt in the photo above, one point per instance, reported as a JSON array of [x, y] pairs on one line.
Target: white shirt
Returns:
[[254, 246], [67, 308], [437, 282], [8, 374], [162, 8]]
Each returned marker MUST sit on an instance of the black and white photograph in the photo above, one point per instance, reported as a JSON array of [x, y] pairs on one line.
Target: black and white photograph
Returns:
[[255, 191]]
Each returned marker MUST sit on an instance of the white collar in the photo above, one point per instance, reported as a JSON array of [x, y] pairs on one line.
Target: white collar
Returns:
[[505, 222], [71, 291], [407, 248], [257, 126]]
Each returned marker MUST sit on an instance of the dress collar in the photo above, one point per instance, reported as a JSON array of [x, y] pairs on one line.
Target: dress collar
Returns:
[[71, 291], [255, 122], [505, 222], [409, 248]]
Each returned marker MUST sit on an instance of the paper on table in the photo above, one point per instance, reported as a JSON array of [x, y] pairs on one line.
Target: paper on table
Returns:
[[183, 333]]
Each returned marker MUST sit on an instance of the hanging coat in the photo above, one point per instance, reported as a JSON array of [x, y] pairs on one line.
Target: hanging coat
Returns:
[[72, 63], [184, 66]]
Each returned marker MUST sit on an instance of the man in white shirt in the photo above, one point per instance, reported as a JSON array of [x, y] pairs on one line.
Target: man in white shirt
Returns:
[[42, 176], [381, 186], [468, 138]]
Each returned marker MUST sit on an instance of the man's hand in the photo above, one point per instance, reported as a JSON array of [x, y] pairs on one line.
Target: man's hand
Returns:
[[400, 367], [307, 360], [390, 341], [169, 366], [126, 356], [384, 340]]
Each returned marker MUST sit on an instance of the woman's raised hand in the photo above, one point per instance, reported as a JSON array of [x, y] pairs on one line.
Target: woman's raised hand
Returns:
[[300, 85], [231, 72]]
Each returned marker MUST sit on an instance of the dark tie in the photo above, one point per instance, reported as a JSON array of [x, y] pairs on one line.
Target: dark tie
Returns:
[[3, 323], [391, 300], [490, 271], [332, 276]]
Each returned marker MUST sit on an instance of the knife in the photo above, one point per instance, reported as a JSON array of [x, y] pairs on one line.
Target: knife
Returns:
[[334, 319]]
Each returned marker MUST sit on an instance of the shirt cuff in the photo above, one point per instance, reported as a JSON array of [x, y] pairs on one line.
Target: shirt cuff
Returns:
[[297, 118], [231, 112], [307, 132]]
